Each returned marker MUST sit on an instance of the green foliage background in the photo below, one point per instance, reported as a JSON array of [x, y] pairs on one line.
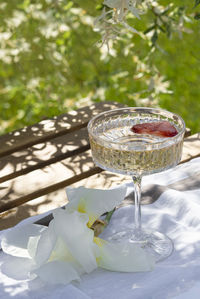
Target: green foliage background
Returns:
[[50, 63]]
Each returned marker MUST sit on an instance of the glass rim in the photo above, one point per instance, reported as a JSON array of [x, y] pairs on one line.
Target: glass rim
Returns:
[[128, 109]]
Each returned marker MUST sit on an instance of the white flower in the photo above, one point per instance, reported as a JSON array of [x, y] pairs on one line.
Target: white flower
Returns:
[[94, 202], [67, 248]]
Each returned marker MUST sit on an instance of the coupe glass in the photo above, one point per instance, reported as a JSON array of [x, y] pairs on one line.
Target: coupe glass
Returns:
[[117, 149]]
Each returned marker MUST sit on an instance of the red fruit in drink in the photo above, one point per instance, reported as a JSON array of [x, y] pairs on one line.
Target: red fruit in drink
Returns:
[[157, 128]]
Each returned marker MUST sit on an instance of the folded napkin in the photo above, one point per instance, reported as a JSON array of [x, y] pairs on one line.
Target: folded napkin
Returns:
[[176, 213]]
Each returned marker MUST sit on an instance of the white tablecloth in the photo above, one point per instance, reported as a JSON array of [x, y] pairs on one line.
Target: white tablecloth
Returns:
[[175, 213]]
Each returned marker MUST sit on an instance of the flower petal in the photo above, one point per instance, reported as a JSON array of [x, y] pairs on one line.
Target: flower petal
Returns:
[[57, 272], [15, 241], [94, 202], [124, 257], [32, 245], [18, 268], [45, 244], [72, 229]]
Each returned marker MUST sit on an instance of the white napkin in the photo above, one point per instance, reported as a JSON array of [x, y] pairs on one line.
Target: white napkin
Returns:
[[175, 213]]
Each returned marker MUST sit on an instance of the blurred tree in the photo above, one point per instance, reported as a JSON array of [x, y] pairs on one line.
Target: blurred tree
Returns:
[[53, 58]]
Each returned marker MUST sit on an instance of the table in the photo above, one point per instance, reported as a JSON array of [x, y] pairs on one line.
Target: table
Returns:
[[39, 161]]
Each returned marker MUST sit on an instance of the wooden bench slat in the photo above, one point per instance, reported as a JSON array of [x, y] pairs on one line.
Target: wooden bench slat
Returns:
[[61, 174], [46, 190], [68, 170], [51, 128], [43, 154], [187, 132], [191, 148]]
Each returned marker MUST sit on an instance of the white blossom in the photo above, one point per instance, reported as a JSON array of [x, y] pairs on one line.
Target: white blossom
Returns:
[[67, 248]]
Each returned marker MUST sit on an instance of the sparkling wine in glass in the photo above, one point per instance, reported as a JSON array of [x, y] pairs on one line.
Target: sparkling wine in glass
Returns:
[[138, 142]]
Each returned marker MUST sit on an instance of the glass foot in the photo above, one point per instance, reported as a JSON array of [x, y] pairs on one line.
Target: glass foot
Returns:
[[155, 243]]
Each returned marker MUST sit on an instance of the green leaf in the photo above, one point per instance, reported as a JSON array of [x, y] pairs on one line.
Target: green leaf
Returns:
[[68, 5], [149, 29], [197, 16], [154, 37], [24, 5], [161, 29], [197, 2]]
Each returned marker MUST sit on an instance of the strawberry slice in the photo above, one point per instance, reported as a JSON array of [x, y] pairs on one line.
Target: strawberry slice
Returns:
[[158, 128]]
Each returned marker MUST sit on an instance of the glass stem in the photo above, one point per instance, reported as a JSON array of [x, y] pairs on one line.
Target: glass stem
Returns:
[[137, 193]]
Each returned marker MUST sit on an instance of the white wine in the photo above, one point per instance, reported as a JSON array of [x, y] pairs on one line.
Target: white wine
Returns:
[[130, 153]]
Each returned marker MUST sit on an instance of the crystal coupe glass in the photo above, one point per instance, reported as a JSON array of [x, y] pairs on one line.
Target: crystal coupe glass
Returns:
[[116, 148]]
